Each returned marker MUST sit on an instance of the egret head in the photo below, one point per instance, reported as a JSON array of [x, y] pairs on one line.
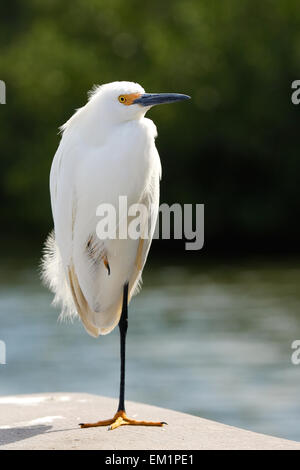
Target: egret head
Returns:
[[126, 101]]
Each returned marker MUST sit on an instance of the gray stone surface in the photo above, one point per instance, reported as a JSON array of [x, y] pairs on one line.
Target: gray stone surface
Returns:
[[50, 421]]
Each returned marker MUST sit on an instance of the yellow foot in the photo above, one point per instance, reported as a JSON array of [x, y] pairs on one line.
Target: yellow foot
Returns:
[[120, 419]]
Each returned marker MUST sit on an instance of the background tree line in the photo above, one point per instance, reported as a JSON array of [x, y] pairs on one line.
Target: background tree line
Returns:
[[234, 147]]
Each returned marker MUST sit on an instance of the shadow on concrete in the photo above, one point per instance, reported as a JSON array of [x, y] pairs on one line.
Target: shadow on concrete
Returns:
[[8, 436]]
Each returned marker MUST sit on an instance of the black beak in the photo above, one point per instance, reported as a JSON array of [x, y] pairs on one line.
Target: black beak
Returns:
[[151, 99]]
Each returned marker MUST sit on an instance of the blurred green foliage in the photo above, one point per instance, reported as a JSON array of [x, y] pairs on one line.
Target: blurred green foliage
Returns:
[[234, 147]]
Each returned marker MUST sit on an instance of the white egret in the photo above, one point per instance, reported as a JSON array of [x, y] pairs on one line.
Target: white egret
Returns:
[[107, 150]]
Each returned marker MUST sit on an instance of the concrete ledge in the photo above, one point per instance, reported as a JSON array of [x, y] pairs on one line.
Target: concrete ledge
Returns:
[[50, 421]]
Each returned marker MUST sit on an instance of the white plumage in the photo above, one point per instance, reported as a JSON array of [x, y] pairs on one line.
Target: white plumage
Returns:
[[107, 150]]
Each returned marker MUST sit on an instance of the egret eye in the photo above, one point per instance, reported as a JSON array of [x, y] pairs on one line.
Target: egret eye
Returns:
[[122, 99]]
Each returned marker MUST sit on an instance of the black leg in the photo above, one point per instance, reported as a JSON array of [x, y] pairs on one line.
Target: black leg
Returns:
[[120, 417], [123, 325]]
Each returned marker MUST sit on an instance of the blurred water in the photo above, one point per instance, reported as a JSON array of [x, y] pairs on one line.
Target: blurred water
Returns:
[[213, 340]]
